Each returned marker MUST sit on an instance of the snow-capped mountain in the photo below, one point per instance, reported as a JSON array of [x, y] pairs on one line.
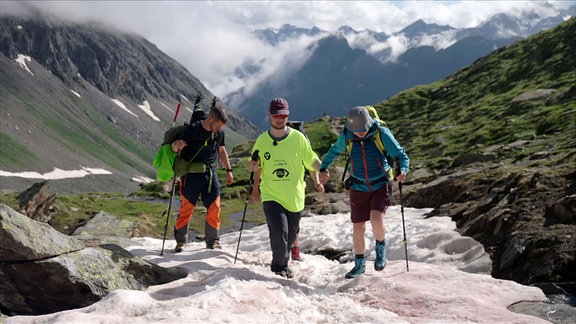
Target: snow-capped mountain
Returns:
[[286, 32], [420, 33], [419, 53]]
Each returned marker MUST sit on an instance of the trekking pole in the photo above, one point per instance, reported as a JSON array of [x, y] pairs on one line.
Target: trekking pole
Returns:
[[196, 107], [402, 212], [167, 210], [254, 158], [403, 226], [176, 115], [346, 167]]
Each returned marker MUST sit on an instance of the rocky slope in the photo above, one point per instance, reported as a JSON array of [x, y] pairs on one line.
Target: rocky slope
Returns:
[[76, 96]]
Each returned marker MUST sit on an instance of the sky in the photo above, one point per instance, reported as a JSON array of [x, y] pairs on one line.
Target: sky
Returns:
[[212, 38], [447, 281]]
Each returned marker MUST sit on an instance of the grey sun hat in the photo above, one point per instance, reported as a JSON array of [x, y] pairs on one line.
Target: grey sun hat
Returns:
[[359, 120]]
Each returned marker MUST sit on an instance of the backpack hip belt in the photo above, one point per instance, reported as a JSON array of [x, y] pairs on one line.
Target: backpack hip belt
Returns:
[[367, 182]]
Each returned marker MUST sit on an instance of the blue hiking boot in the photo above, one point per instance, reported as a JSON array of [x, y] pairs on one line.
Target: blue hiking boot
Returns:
[[380, 261], [359, 268]]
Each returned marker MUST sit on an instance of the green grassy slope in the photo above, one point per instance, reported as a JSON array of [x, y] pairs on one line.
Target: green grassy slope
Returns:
[[484, 104]]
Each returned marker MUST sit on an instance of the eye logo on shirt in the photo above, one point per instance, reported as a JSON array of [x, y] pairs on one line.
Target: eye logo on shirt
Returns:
[[267, 155], [281, 173]]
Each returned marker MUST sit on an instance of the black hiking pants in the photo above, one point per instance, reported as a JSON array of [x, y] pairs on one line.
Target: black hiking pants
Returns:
[[283, 226]]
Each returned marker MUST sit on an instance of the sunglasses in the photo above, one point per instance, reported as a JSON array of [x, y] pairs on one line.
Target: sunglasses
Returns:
[[280, 116]]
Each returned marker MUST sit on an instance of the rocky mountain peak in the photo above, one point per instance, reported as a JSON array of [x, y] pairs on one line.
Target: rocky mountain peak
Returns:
[[107, 93]]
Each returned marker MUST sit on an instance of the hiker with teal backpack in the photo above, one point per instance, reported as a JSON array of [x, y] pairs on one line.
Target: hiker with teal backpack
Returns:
[[372, 149], [199, 146]]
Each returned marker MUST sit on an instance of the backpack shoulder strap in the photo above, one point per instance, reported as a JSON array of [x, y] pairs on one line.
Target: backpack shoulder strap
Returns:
[[379, 142], [382, 148], [377, 138]]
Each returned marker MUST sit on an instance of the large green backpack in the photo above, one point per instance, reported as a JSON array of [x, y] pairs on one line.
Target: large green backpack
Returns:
[[165, 160]]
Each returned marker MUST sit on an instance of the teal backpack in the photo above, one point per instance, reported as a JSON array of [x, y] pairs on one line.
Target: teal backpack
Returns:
[[378, 141]]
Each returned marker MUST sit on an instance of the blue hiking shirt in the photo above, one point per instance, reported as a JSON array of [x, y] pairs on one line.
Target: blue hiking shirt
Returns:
[[366, 160]]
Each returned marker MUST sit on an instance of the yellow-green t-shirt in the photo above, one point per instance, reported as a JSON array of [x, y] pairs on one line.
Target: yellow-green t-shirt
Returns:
[[282, 177]]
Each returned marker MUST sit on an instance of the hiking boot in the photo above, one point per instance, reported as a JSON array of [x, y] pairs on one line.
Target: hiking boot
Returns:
[[359, 268], [296, 254], [213, 245], [285, 273], [179, 247], [380, 261]]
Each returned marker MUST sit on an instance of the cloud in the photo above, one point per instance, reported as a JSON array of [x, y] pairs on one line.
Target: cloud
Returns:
[[398, 45], [213, 38]]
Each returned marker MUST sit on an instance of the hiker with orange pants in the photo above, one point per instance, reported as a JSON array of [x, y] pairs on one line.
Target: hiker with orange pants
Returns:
[[197, 149]]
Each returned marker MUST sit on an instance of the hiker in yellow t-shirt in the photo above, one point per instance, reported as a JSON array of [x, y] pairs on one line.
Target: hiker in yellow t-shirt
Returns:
[[282, 151]]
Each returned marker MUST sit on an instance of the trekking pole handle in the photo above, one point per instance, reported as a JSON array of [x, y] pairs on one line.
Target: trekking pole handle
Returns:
[[253, 164], [176, 115], [197, 103], [253, 158], [397, 170], [255, 155]]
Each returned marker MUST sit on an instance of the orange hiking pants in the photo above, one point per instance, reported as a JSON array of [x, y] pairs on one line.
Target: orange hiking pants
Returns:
[[192, 187]]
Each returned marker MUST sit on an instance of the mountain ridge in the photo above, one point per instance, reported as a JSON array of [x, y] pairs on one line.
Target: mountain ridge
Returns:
[[408, 64], [101, 99]]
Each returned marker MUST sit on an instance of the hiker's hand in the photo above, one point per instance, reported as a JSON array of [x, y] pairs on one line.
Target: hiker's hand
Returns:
[[256, 196], [319, 187], [178, 145], [324, 176], [401, 177], [253, 166], [229, 178]]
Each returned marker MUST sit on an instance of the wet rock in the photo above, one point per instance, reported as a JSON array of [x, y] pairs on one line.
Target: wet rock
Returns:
[[44, 271]]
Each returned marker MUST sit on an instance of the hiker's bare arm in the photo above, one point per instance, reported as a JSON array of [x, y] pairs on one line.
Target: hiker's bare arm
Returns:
[[256, 184], [226, 163], [316, 165], [316, 176], [224, 157], [324, 176], [317, 183], [178, 145]]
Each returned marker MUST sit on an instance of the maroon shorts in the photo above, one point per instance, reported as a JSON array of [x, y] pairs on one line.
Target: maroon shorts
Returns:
[[362, 202]]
